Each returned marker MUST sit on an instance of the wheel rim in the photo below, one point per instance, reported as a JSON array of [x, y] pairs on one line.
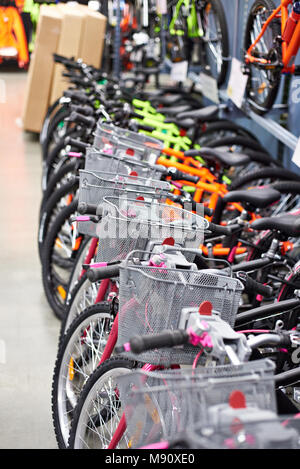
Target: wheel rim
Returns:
[[80, 359], [101, 414], [84, 298], [262, 82], [213, 42]]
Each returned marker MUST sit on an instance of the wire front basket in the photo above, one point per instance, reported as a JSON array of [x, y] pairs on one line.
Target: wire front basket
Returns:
[[161, 404], [99, 161], [151, 299], [121, 142], [247, 429], [95, 185], [132, 224]]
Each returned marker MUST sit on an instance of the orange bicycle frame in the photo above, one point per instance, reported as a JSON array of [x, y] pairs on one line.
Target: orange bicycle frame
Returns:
[[289, 50]]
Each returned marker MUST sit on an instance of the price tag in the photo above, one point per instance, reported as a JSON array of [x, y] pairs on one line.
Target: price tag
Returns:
[[209, 87], [237, 83], [179, 71], [74, 234], [136, 56], [161, 7], [296, 155]]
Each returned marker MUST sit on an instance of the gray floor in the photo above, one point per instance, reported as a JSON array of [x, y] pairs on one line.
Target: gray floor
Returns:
[[28, 328]]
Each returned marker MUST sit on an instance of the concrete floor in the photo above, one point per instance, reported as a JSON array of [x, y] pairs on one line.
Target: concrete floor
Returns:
[[28, 328]]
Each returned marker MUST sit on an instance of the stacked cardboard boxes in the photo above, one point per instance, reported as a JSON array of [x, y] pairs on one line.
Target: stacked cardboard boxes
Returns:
[[71, 30]]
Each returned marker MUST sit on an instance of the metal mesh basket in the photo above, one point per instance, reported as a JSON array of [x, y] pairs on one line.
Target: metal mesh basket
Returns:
[[118, 141], [246, 429], [94, 185], [99, 161], [151, 300], [161, 404], [132, 224]]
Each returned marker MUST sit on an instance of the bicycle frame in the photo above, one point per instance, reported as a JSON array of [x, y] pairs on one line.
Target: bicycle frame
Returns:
[[289, 50]]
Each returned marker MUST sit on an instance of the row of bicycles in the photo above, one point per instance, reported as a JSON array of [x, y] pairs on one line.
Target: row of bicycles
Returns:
[[169, 248]]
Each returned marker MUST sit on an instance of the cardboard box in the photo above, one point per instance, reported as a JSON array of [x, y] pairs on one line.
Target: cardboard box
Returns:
[[39, 79], [71, 30], [92, 37], [68, 46]]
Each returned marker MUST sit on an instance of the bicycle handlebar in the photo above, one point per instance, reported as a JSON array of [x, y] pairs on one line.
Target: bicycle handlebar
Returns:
[[252, 286], [101, 273], [86, 110], [89, 209], [173, 338], [69, 63], [139, 344], [177, 175], [81, 119], [77, 95], [76, 143], [219, 229]]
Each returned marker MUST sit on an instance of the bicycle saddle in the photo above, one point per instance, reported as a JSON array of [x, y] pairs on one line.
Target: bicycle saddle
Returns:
[[151, 94], [257, 198], [224, 158], [174, 110], [203, 114], [286, 224], [168, 100]]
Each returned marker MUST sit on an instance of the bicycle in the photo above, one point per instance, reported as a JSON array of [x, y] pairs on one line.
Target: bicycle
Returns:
[[272, 40], [161, 356]]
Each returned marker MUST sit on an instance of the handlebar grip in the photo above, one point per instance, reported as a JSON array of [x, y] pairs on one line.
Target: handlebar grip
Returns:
[[96, 274], [77, 95], [89, 209], [65, 61], [219, 229], [189, 178], [147, 128], [85, 110], [76, 143], [81, 119], [177, 175], [79, 81], [252, 286], [139, 344], [193, 152]]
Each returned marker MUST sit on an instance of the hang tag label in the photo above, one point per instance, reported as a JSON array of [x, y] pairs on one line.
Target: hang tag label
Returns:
[[179, 71], [296, 155], [74, 234], [161, 7], [209, 87], [136, 56], [237, 83]]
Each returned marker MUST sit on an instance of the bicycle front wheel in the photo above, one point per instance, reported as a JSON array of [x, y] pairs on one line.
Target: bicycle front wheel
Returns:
[[78, 356], [215, 39], [263, 84], [99, 409]]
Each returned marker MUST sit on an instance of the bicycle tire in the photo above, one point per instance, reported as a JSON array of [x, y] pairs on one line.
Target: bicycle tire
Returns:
[[57, 179], [52, 281], [215, 131], [111, 367], [216, 7], [66, 386], [82, 295], [52, 208], [55, 159], [277, 174], [57, 118], [77, 269], [261, 106]]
